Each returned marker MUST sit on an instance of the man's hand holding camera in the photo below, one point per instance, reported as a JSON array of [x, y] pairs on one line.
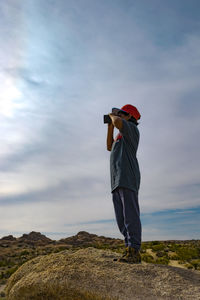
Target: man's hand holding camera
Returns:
[[108, 118], [116, 120]]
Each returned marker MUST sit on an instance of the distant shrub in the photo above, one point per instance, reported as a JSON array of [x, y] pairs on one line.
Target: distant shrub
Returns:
[[161, 254], [105, 246], [143, 250], [174, 257], [158, 247], [98, 246], [187, 253], [148, 258], [62, 248], [181, 262], [189, 266], [6, 274], [175, 247], [155, 243], [24, 252], [3, 263], [166, 249], [196, 264], [55, 250], [145, 246], [162, 261], [6, 262]]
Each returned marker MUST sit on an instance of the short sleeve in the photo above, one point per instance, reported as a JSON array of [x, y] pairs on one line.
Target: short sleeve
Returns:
[[130, 133], [127, 129]]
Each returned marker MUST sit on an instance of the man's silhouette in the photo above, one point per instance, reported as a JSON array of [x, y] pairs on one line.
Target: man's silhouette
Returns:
[[125, 178]]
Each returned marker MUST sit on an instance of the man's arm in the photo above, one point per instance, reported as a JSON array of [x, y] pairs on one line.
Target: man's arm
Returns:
[[116, 121], [110, 136]]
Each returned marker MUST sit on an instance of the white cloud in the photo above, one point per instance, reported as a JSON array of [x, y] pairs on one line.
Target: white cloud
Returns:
[[71, 72], [9, 95]]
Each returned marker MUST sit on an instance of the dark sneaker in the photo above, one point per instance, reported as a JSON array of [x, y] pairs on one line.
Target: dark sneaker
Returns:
[[133, 256], [123, 255]]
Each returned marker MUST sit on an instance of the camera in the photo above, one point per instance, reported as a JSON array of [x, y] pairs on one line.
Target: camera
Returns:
[[107, 119]]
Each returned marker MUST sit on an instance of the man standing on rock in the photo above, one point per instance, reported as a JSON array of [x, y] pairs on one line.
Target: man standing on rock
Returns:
[[125, 178]]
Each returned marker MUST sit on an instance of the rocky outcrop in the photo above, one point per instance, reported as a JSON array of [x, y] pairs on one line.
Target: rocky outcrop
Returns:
[[91, 274], [81, 239], [34, 237], [8, 238], [85, 239], [31, 239]]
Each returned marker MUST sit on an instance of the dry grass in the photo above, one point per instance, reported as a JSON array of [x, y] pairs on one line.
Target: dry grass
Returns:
[[54, 292]]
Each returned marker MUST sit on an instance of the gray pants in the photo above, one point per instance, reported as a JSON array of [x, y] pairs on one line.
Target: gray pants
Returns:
[[127, 214]]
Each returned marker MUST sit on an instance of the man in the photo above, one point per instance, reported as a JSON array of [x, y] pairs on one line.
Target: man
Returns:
[[125, 178]]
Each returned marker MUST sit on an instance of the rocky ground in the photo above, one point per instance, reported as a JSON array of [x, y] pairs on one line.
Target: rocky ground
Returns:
[[92, 274]]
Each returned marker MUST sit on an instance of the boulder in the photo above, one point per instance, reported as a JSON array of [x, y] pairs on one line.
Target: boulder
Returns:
[[34, 236], [8, 238], [34, 239], [85, 239], [91, 274]]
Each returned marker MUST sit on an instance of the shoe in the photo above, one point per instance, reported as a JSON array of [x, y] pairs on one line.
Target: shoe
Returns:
[[123, 255], [133, 256]]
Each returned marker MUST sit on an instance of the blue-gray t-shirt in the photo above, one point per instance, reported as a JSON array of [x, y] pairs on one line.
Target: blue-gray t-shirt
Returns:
[[124, 168]]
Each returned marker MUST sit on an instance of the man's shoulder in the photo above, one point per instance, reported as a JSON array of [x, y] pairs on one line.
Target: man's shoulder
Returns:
[[129, 127]]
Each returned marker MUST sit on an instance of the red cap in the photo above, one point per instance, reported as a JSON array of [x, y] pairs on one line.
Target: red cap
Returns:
[[132, 110]]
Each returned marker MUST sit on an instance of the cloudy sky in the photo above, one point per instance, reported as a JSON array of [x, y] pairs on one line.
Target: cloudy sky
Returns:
[[65, 63]]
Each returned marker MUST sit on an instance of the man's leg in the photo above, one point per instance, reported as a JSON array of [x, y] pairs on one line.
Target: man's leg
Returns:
[[131, 213], [119, 214]]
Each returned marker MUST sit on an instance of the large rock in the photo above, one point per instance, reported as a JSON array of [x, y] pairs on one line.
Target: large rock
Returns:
[[92, 274], [8, 238], [85, 239], [34, 237]]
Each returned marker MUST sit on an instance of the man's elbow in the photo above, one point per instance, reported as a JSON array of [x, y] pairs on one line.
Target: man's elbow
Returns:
[[118, 123], [109, 148]]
